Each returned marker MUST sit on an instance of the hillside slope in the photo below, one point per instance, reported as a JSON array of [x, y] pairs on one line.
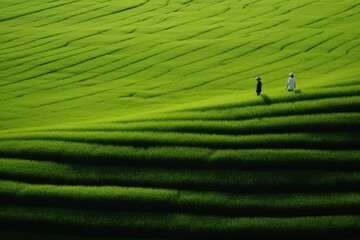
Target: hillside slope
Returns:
[[77, 61], [139, 119]]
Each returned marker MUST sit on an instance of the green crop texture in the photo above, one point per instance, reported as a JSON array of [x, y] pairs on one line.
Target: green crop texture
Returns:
[[140, 119]]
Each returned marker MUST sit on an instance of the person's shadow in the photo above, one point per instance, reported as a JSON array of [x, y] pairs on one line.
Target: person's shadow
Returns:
[[266, 99], [297, 91]]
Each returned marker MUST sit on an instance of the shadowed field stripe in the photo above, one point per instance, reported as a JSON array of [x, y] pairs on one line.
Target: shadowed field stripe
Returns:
[[231, 181], [167, 200], [62, 221], [65, 147], [330, 141]]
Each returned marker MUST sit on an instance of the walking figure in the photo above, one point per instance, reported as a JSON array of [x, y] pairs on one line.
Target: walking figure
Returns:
[[258, 86], [291, 84]]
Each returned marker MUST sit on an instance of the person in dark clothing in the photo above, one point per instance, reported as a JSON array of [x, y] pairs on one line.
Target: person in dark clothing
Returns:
[[258, 86]]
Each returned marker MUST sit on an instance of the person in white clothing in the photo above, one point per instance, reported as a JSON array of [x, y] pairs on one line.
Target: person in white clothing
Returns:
[[291, 84]]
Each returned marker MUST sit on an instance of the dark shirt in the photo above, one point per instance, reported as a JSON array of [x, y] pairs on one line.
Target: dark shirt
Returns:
[[258, 87]]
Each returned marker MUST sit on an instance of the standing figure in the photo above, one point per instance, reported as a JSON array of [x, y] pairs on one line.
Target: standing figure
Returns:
[[258, 86], [291, 84]]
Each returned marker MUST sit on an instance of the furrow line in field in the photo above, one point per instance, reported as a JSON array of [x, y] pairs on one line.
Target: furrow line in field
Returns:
[[79, 72], [229, 50], [330, 16], [115, 12], [356, 65], [26, 37], [43, 56], [49, 62], [34, 12], [62, 45], [201, 33], [14, 4], [184, 53], [162, 7], [323, 41], [301, 6], [330, 61], [302, 39], [250, 3], [67, 17], [268, 27], [72, 98], [105, 64], [352, 48], [129, 63], [342, 44], [23, 50], [223, 61], [62, 68], [196, 20], [126, 18]]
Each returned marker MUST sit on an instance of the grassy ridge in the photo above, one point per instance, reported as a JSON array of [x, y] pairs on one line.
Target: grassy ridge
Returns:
[[192, 179], [185, 157], [303, 123], [172, 225], [339, 140], [170, 200]]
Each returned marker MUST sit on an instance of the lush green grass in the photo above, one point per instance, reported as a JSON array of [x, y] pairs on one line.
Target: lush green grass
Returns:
[[240, 181], [315, 140], [170, 200], [185, 157], [173, 225], [139, 119], [103, 59]]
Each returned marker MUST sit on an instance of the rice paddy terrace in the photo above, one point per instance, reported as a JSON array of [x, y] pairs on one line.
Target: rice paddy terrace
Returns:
[[139, 119]]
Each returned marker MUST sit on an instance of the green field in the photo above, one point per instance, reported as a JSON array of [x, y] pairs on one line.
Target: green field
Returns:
[[139, 119]]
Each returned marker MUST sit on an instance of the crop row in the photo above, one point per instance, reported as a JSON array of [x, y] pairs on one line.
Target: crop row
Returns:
[[172, 225], [330, 105], [331, 141], [237, 181], [287, 124], [182, 157], [170, 200], [313, 95]]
